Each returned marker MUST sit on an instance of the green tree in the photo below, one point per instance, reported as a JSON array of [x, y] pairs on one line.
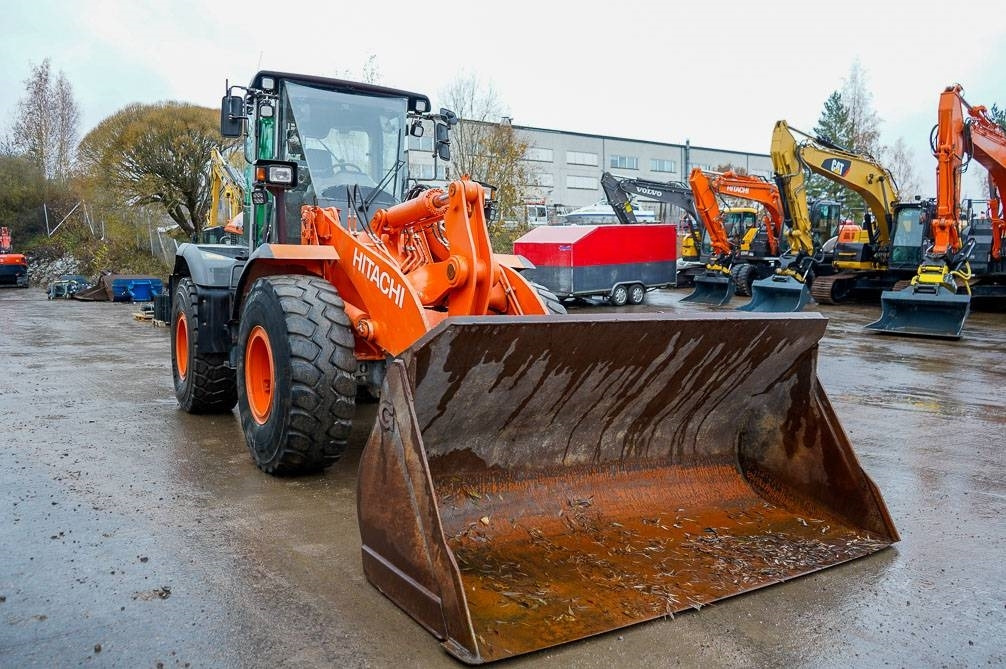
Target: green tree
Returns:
[[156, 155], [834, 127]]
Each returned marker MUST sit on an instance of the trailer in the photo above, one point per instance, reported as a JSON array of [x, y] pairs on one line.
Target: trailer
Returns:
[[619, 263]]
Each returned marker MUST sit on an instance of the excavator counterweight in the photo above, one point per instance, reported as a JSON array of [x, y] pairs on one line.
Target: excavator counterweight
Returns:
[[532, 481]]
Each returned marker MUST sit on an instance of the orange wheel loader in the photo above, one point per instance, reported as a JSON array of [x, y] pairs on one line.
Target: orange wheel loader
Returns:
[[532, 478]]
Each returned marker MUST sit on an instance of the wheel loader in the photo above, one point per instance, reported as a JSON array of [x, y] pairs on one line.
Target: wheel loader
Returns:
[[531, 478]]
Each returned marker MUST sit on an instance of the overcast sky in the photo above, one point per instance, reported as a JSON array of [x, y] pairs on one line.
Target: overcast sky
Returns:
[[716, 73]]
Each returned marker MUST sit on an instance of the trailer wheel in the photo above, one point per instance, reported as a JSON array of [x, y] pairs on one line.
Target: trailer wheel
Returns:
[[203, 381], [552, 303], [297, 392], [637, 293], [619, 296]]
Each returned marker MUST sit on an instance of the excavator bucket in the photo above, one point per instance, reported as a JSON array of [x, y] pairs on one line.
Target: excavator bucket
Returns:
[[536, 480], [924, 311], [777, 293], [711, 288]]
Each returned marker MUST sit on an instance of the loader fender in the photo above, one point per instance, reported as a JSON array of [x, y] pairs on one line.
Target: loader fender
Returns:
[[211, 268], [272, 259], [533, 480]]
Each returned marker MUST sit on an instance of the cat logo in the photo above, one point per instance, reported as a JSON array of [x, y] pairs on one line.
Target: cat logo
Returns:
[[837, 166]]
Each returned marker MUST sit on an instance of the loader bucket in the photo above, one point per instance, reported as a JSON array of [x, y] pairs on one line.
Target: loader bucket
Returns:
[[777, 293], [926, 312], [711, 288], [534, 480]]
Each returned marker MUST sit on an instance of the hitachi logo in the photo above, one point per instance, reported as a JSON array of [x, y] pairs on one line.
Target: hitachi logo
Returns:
[[384, 281], [652, 192], [737, 189]]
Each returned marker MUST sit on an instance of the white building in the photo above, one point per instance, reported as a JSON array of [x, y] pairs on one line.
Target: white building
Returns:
[[567, 166]]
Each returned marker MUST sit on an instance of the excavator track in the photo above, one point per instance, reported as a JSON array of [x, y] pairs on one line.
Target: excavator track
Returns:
[[833, 289]]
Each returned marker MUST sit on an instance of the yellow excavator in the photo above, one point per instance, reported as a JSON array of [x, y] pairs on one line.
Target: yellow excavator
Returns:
[[224, 220], [860, 260], [531, 477]]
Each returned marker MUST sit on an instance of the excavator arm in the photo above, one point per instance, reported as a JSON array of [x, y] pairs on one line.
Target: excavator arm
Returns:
[[755, 189], [792, 185], [618, 189], [710, 214]]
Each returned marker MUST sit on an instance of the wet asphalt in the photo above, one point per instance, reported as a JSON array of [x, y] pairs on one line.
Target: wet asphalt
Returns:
[[135, 535]]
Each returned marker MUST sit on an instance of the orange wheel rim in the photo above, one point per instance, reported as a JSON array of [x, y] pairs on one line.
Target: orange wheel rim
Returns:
[[260, 374], [182, 346]]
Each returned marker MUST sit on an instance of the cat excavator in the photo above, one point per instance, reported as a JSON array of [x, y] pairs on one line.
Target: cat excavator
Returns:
[[866, 258], [938, 299], [224, 220], [754, 253], [531, 477]]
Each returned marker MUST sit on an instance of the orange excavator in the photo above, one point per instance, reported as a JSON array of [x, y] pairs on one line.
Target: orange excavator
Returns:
[[752, 253], [531, 477], [938, 299], [13, 266]]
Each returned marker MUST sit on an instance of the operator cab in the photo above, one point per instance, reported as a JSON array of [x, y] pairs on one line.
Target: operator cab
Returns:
[[347, 139]]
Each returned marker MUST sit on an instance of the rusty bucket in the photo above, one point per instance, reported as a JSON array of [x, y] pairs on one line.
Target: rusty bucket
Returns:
[[533, 481]]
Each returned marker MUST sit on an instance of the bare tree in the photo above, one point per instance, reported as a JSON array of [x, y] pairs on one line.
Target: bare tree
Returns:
[[488, 149], [900, 160], [46, 123], [864, 125]]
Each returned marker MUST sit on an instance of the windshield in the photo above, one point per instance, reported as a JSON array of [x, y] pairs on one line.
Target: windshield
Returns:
[[352, 146], [908, 231], [824, 219]]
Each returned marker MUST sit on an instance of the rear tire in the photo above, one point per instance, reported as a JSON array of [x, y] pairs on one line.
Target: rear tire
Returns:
[[203, 381], [637, 293], [552, 303], [619, 296], [296, 367]]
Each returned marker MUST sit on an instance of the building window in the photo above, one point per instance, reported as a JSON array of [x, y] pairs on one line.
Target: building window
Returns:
[[583, 183], [581, 158], [539, 155], [424, 143], [424, 171], [542, 180], [625, 162], [662, 165]]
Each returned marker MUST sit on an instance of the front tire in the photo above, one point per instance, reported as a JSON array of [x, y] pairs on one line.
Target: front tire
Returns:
[[552, 303], [296, 390], [203, 381]]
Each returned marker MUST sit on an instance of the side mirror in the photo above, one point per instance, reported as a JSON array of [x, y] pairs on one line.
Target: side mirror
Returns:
[[443, 141], [232, 115]]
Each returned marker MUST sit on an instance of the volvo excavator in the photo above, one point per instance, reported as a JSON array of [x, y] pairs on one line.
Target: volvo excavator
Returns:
[[531, 478], [938, 299], [754, 250], [619, 192]]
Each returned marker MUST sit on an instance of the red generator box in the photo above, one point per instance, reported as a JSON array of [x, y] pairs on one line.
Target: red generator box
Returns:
[[617, 262]]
